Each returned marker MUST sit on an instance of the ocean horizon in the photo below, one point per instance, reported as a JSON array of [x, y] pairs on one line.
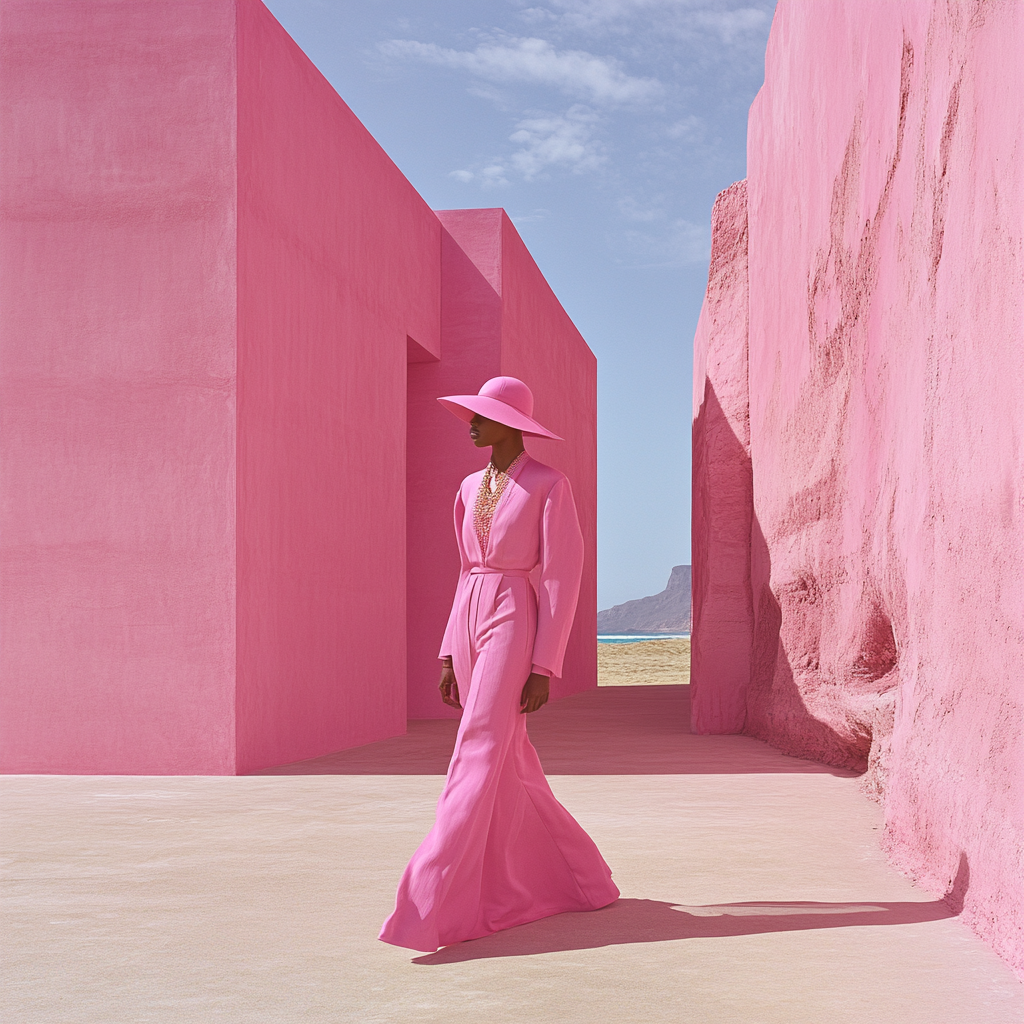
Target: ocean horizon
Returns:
[[629, 638]]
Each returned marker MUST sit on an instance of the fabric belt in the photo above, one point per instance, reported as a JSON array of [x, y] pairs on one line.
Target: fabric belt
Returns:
[[483, 570]]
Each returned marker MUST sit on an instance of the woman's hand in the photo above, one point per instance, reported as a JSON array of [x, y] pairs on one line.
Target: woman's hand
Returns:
[[448, 686], [535, 693]]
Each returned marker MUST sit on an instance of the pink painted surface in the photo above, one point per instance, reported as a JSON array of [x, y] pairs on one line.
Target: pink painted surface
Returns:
[[193, 219], [499, 316], [721, 631], [440, 453], [221, 326], [886, 412], [338, 276], [541, 345], [117, 386]]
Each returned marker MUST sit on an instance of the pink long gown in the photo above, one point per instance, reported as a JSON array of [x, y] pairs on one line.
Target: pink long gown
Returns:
[[503, 850]]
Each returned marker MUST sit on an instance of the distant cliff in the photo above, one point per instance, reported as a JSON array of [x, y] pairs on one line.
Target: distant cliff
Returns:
[[667, 612]]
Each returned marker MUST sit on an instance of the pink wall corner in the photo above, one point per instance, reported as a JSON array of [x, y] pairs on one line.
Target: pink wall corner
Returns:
[[722, 630], [339, 265], [886, 400], [440, 453], [498, 316], [117, 328], [541, 345]]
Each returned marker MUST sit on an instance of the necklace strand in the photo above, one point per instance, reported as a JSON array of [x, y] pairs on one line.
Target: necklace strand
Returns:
[[492, 486]]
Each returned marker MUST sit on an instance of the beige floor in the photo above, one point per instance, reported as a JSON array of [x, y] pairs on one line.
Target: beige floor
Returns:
[[753, 889]]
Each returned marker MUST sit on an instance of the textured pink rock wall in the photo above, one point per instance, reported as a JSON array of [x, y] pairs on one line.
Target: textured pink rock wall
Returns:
[[886, 322], [722, 624]]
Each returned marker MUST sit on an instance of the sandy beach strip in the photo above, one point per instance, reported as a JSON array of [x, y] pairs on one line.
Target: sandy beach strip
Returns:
[[645, 663]]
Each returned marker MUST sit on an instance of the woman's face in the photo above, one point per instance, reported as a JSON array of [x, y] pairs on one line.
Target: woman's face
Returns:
[[486, 433]]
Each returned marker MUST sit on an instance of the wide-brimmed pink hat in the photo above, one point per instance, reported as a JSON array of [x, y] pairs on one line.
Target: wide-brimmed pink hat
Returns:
[[503, 399]]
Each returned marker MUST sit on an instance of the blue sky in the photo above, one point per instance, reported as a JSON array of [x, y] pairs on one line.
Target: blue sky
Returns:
[[605, 128]]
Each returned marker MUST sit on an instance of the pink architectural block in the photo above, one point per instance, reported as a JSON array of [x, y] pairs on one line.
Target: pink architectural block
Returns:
[[117, 356], [338, 266], [886, 251], [499, 316], [210, 275], [540, 344], [220, 332]]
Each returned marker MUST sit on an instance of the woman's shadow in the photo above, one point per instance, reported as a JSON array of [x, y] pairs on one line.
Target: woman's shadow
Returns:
[[633, 920]]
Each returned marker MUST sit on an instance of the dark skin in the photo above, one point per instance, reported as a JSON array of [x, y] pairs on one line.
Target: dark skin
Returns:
[[505, 444]]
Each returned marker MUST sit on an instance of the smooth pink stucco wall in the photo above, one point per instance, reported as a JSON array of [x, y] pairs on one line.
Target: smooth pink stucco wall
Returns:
[[210, 274], [886, 257], [117, 386], [498, 316], [440, 453], [540, 344], [221, 331], [338, 264]]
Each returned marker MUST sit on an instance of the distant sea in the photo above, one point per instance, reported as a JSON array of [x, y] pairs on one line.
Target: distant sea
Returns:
[[632, 638]]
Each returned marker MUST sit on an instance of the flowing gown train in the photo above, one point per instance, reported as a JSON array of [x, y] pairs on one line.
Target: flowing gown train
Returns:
[[503, 850]]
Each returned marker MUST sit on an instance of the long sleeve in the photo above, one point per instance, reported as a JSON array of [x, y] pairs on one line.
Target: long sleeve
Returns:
[[460, 513], [561, 561]]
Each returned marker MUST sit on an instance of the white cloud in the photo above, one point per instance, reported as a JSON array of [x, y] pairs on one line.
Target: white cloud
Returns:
[[528, 218], [677, 16], [556, 142], [537, 15], [493, 175], [536, 61], [565, 141]]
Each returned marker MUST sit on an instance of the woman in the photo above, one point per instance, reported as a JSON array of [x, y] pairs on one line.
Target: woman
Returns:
[[503, 850]]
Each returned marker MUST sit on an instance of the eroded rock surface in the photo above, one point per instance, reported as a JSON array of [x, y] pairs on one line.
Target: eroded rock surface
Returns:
[[882, 345]]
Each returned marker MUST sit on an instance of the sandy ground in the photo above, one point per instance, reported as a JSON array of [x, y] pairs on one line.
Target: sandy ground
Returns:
[[645, 663], [753, 892]]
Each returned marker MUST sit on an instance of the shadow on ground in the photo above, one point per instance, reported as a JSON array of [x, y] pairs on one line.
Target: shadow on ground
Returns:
[[611, 730], [630, 920]]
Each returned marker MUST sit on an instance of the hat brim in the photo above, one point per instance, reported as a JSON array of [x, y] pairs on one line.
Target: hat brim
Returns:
[[468, 406]]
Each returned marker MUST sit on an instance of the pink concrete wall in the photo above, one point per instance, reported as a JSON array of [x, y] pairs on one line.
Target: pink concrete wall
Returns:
[[498, 316], [886, 412], [219, 300], [193, 220], [338, 264], [440, 453], [117, 386], [540, 344]]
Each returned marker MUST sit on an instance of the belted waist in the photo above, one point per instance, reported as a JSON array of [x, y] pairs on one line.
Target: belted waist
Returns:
[[485, 570]]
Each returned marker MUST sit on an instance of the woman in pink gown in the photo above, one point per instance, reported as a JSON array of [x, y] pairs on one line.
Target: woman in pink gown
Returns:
[[503, 850]]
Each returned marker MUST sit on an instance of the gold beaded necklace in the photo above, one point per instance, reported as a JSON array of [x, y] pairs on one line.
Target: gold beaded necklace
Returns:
[[492, 486]]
